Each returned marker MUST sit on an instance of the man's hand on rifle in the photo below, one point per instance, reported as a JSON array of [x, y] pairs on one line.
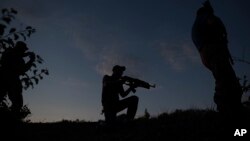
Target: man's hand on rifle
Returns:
[[132, 87]]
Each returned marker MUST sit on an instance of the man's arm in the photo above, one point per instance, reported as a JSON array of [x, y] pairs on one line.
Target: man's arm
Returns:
[[28, 65], [125, 93]]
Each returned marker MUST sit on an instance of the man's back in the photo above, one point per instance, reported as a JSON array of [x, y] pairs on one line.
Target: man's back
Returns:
[[110, 90], [12, 63]]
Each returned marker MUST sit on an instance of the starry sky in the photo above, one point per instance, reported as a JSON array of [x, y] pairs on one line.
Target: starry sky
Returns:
[[81, 40]]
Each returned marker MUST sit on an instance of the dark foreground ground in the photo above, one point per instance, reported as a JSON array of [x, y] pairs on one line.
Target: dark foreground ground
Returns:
[[188, 125]]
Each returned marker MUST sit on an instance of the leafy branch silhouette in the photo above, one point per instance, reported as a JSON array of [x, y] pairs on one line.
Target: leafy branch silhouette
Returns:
[[245, 85], [9, 36]]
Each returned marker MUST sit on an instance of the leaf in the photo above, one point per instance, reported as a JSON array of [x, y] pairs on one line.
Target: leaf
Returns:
[[40, 76], [34, 65], [26, 75], [47, 72], [29, 33], [6, 19], [11, 16], [28, 27], [2, 27], [39, 58], [13, 11], [10, 42], [12, 30], [4, 47], [26, 82], [31, 84], [4, 11], [24, 37], [4, 41], [35, 72], [1, 31], [36, 80], [39, 61], [33, 30], [16, 36]]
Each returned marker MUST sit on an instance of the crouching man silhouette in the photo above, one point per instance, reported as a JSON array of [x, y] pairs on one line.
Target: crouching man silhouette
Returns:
[[112, 88]]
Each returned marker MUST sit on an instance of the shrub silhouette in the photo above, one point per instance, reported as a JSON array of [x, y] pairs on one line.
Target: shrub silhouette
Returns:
[[8, 116]]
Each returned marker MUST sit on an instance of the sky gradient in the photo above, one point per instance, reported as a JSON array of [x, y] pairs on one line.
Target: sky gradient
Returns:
[[81, 40]]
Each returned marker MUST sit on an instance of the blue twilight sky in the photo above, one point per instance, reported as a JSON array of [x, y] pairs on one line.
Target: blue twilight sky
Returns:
[[81, 40]]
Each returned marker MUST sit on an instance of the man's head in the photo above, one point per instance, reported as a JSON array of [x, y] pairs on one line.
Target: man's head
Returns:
[[118, 70], [21, 47]]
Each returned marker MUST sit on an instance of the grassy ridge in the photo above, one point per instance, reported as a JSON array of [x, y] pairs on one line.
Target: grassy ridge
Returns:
[[181, 125]]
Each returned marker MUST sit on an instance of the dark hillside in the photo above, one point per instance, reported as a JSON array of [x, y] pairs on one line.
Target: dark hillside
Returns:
[[188, 125]]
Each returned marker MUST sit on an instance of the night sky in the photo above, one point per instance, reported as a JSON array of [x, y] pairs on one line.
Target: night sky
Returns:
[[81, 40]]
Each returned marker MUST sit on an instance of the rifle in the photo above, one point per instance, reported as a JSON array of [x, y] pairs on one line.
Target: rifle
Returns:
[[134, 82]]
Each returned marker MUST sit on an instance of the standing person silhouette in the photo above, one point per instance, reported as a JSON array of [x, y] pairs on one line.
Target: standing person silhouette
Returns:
[[111, 90], [12, 66], [210, 38]]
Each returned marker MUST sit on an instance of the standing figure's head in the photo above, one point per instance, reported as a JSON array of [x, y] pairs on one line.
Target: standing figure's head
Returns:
[[21, 47], [118, 71]]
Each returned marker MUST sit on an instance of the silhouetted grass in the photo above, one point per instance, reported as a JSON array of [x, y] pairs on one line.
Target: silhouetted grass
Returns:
[[180, 125]]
